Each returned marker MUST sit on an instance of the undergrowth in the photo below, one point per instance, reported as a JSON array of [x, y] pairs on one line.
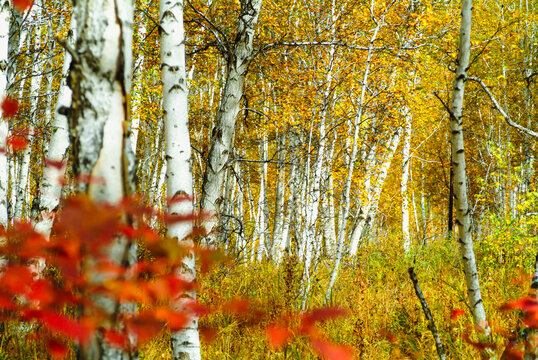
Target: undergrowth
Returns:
[[385, 320]]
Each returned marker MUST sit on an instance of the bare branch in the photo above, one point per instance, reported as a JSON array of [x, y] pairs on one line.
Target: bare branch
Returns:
[[68, 48], [428, 314], [504, 114]]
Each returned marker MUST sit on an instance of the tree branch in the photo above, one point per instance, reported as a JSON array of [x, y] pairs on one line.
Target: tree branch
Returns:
[[428, 314], [497, 106]]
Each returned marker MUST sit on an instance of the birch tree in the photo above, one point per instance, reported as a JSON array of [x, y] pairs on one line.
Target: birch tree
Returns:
[[406, 158], [463, 216], [239, 56], [185, 343], [346, 200], [100, 80], [4, 59], [51, 186]]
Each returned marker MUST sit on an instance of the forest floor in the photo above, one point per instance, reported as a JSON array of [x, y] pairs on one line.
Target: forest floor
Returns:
[[384, 317]]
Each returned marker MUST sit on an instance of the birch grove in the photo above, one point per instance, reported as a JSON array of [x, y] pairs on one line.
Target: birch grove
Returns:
[[321, 146]]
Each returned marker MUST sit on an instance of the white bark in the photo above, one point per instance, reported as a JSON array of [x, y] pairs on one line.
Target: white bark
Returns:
[[238, 212], [35, 82], [4, 60], [368, 211], [346, 200], [463, 217], [51, 186], [406, 159], [185, 343], [223, 132], [261, 218], [100, 78], [291, 209], [280, 193], [345, 197], [22, 180]]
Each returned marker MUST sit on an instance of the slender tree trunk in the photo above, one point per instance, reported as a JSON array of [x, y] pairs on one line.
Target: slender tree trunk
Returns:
[[185, 343], [4, 61], [35, 82], [262, 202], [404, 183], [463, 217], [54, 172], [367, 215], [280, 193], [223, 132], [345, 197], [327, 207]]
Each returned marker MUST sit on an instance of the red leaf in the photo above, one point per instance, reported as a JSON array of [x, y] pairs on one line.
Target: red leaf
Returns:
[[16, 279], [456, 313], [145, 326], [116, 339], [6, 303], [323, 314], [513, 351], [16, 142], [58, 164], [196, 308], [57, 349], [178, 198], [278, 336], [42, 292], [128, 231], [331, 351], [319, 315], [528, 304], [237, 306], [207, 333], [66, 326], [11, 106], [22, 5], [175, 320]]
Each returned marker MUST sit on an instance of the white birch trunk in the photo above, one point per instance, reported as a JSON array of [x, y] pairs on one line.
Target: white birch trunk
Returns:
[[51, 186], [100, 78], [278, 222], [345, 197], [291, 213], [223, 132], [238, 212], [261, 223], [21, 205], [368, 212], [185, 343], [406, 159], [463, 218], [35, 83], [4, 60]]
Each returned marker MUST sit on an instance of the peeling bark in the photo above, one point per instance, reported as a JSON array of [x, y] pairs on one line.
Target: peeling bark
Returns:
[[223, 132]]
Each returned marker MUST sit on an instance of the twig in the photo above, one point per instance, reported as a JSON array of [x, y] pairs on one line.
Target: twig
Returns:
[[426, 309], [68, 48]]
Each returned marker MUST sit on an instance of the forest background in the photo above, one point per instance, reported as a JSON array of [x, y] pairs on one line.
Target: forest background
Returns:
[[330, 162]]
